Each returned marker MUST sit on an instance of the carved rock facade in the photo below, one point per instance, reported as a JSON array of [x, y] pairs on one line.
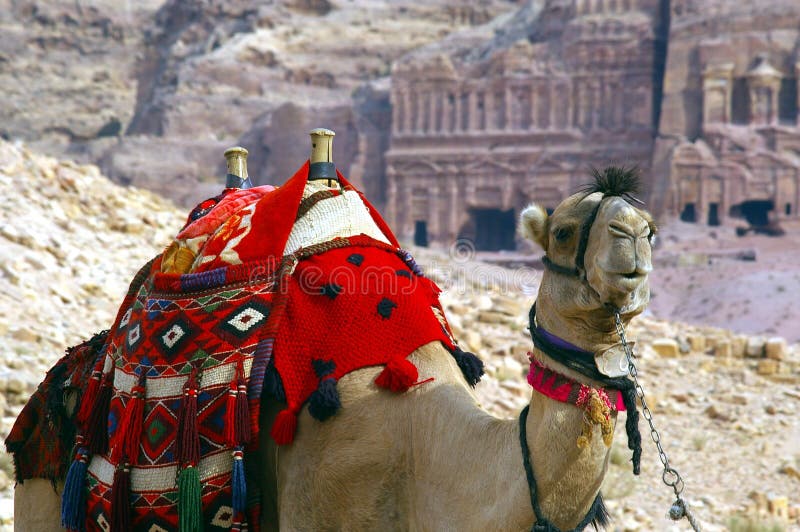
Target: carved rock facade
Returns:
[[729, 140], [484, 125]]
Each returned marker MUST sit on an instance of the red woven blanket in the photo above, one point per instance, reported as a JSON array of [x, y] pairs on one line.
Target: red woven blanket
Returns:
[[348, 308]]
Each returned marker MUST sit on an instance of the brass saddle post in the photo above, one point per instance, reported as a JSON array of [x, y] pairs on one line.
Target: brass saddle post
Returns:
[[237, 176]]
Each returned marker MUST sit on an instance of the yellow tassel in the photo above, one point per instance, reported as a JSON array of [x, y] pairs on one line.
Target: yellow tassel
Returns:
[[596, 412]]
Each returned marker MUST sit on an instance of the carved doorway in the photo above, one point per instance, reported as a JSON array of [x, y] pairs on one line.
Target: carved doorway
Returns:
[[494, 229]]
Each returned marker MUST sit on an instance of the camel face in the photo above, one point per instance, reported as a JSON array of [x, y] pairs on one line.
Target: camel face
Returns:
[[599, 247], [618, 255]]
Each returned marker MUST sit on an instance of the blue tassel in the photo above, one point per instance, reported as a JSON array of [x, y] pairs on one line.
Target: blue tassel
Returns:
[[239, 484], [73, 499]]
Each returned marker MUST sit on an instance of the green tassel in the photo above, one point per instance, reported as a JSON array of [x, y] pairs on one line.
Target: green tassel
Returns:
[[190, 507]]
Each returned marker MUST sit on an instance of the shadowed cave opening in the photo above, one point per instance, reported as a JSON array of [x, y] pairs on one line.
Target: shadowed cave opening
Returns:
[[491, 229], [756, 212]]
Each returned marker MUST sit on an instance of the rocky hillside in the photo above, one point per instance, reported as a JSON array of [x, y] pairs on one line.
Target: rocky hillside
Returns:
[[727, 405], [154, 91]]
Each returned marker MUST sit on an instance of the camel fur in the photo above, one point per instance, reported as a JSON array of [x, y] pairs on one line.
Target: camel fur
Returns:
[[433, 458]]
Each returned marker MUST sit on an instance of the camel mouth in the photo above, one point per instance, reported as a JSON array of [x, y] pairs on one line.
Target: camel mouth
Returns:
[[626, 282]]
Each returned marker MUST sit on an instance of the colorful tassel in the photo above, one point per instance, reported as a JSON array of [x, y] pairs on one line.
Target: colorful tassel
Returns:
[[88, 399], [242, 420], [121, 499], [398, 375], [284, 427], [239, 485], [230, 414], [129, 430], [190, 504], [471, 366], [324, 402], [188, 451], [97, 425], [73, 499]]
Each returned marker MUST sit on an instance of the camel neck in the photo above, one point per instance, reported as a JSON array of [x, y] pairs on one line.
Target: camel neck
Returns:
[[587, 331], [456, 443], [466, 461], [568, 478]]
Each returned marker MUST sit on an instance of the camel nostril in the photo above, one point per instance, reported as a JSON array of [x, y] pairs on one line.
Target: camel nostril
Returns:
[[632, 275]]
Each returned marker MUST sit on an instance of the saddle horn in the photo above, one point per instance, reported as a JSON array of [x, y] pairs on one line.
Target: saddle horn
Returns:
[[237, 177], [321, 159]]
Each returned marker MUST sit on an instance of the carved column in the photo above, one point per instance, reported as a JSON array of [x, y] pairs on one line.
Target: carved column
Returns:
[[509, 108], [439, 111], [764, 82], [406, 123], [717, 90], [457, 112], [424, 111], [575, 118], [435, 206], [489, 110], [533, 113], [395, 102], [404, 220], [552, 104], [433, 111], [587, 104], [473, 111], [454, 207]]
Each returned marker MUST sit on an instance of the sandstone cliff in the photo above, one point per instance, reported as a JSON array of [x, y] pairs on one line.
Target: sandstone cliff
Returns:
[[153, 91]]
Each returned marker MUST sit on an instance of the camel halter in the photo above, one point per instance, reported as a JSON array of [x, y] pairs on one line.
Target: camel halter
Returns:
[[578, 270], [577, 359]]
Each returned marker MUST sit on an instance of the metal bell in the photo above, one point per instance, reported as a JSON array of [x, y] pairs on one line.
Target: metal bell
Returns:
[[677, 511]]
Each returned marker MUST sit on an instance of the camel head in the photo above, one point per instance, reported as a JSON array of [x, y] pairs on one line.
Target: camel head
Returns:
[[597, 247]]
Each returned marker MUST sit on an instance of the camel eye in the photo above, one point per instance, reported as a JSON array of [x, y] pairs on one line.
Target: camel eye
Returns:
[[563, 234]]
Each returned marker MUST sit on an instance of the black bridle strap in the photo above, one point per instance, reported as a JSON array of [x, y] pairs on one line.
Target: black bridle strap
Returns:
[[583, 243], [586, 228], [542, 524], [557, 268], [573, 358]]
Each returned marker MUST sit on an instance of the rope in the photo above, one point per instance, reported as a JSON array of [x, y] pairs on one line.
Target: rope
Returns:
[[542, 524]]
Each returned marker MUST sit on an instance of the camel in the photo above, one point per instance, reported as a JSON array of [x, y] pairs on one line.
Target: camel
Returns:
[[433, 458]]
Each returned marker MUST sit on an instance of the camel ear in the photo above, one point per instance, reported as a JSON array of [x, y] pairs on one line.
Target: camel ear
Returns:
[[533, 222]]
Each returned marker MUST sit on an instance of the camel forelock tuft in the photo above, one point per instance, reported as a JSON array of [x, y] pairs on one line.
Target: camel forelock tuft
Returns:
[[620, 181]]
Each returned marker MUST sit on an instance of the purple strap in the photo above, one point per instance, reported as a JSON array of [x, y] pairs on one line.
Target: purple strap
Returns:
[[560, 342]]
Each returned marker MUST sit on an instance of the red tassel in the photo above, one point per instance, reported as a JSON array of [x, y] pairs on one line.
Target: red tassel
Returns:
[[188, 452], [398, 375], [88, 399], [129, 431], [97, 425], [284, 427], [242, 421], [121, 500], [230, 418]]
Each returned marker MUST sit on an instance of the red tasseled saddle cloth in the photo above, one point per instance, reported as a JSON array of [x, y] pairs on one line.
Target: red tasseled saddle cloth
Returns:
[[170, 412]]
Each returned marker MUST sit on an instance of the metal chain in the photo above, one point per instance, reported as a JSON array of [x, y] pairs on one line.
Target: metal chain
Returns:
[[670, 476]]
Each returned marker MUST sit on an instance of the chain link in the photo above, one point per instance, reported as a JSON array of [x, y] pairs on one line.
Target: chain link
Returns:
[[670, 476]]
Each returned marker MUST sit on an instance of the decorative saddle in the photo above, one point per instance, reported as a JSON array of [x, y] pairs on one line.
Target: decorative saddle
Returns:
[[279, 289]]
